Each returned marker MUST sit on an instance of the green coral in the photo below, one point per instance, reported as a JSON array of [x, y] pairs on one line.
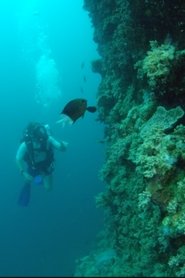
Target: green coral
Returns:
[[143, 172], [161, 120], [156, 154], [163, 69], [175, 219], [177, 262], [157, 63]]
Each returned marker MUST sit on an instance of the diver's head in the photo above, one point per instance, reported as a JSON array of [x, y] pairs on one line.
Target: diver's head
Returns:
[[40, 134], [37, 132]]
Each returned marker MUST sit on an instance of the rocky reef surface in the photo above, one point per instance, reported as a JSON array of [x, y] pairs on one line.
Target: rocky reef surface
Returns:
[[141, 101]]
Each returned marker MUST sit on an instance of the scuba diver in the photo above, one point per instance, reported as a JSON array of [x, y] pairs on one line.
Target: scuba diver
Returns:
[[36, 151]]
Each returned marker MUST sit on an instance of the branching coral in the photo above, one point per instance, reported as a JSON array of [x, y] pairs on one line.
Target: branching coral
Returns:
[[144, 199], [177, 263], [163, 68], [157, 63], [145, 158], [155, 154], [174, 222]]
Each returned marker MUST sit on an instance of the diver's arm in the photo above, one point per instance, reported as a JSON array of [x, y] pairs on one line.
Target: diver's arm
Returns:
[[19, 157], [20, 161], [62, 145]]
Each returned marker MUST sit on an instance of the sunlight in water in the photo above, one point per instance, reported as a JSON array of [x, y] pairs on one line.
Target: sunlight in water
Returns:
[[47, 77], [37, 51]]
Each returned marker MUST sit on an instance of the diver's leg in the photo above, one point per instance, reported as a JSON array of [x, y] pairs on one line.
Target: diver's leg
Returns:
[[48, 180]]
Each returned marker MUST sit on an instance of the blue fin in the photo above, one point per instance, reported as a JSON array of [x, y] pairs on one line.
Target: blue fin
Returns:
[[25, 194]]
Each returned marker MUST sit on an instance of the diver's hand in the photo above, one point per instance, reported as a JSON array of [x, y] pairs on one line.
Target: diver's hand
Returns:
[[27, 176], [64, 120], [64, 145]]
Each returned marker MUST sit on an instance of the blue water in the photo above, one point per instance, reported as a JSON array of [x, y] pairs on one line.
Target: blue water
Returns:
[[57, 227]]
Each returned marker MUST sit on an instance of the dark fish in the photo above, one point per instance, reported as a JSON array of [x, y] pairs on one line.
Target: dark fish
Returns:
[[76, 108]]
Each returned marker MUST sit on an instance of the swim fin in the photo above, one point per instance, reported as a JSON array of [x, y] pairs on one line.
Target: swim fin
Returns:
[[24, 196]]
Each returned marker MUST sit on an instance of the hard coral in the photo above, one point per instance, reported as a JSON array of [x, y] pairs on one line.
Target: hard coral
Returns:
[[157, 64]]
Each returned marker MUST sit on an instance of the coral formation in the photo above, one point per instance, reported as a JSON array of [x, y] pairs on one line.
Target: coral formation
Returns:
[[141, 101], [161, 67], [157, 64]]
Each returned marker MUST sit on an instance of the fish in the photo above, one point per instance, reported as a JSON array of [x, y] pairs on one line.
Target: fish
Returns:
[[75, 109]]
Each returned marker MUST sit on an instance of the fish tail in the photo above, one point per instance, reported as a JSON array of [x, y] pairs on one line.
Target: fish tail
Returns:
[[91, 109]]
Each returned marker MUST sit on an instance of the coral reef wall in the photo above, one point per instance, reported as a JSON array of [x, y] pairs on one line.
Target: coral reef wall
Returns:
[[141, 101]]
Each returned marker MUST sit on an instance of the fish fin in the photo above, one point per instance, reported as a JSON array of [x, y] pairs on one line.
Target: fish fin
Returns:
[[91, 109]]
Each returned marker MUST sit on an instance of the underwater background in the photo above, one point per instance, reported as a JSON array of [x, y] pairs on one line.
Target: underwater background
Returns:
[[117, 208], [141, 102], [46, 51]]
